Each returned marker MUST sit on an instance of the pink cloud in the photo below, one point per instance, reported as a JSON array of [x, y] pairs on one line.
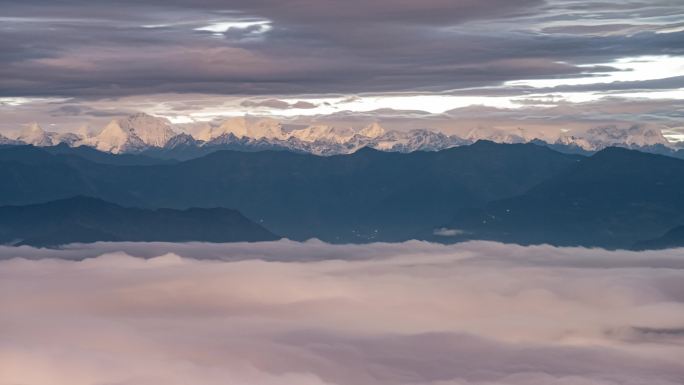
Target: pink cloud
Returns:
[[283, 312]]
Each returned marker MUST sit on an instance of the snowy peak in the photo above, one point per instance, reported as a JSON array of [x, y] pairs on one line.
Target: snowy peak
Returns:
[[635, 136], [181, 139], [497, 135], [241, 127], [236, 126], [322, 133], [271, 129], [116, 138], [153, 131], [373, 130], [133, 133], [414, 140], [6, 140], [571, 140], [265, 128], [35, 135], [599, 138]]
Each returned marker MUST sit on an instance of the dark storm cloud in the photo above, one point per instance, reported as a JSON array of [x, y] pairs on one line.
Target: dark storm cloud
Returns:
[[79, 48]]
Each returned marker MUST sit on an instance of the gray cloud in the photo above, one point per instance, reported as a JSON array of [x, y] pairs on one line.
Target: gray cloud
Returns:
[[303, 105], [479, 313], [79, 110], [271, 103], [277, 104], [77, 48]]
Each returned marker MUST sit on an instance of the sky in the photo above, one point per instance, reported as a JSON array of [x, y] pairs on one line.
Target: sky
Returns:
[[478, 313], [421, 64]]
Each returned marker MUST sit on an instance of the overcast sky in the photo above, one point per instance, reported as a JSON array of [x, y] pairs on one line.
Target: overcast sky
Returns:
[[73, 61]]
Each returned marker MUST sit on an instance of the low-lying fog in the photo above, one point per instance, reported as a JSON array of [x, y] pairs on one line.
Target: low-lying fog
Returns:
[[311, 313]]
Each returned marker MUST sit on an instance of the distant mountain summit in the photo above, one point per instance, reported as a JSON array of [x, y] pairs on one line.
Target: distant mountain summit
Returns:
[[35, 135], [141, 132], [132, 134], [602, 137]]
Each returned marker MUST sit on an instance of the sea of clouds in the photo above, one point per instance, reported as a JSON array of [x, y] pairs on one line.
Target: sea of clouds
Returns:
[[289, 313]]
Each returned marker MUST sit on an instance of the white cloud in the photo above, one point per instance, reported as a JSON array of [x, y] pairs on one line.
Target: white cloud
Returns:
[[284, 312], [626, 69], [257, 26]]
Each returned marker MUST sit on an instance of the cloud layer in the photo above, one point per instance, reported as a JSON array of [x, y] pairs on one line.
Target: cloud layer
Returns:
[[81, 48], [311, 313]]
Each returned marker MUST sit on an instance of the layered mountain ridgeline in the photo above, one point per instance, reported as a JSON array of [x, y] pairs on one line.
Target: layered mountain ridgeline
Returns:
[[85, 220], [612, 199], [521, 193], [368, 195]]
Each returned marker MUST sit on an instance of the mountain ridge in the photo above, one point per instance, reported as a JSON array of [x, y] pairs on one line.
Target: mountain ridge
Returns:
[[336, 198], [521, 193], [156, 136], [84, 219], [612, 199]]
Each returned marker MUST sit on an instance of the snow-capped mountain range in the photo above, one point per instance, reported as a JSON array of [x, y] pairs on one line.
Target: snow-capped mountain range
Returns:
[[141, 132]]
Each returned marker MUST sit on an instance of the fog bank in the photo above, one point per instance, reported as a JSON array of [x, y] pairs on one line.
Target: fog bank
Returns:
[[478, 313]]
